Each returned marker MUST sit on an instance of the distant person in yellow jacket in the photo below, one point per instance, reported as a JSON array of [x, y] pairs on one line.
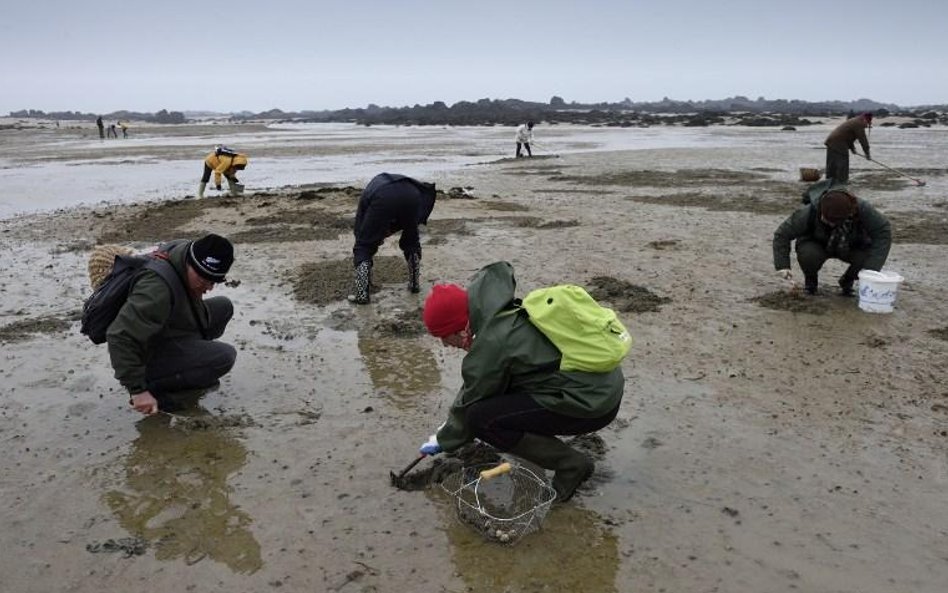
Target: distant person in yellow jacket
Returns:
[[226, 162]]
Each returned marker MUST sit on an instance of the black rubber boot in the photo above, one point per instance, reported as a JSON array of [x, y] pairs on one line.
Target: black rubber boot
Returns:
[[414, 271], [571, 467], [811, 282], [846, 282], [363, 273]]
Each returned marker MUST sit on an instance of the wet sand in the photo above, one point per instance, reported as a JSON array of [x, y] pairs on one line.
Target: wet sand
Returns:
[[766, 442]]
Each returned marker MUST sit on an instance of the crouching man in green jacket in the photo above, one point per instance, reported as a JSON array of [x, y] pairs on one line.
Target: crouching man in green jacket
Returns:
[[838, 225], [513, 396], [164, 337]]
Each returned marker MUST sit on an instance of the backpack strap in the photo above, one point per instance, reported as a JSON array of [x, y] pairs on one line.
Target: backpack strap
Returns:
[[161, 265]]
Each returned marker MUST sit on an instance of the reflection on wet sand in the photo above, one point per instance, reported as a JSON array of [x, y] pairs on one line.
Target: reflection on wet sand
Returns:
[[573, 551], [176, 496], [400, 368]]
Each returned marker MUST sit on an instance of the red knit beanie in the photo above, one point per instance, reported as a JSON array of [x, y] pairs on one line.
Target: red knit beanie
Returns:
[[445, 310], [836, 206]]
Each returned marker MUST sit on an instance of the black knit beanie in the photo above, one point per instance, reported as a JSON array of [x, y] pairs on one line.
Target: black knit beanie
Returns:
[[211, 257]]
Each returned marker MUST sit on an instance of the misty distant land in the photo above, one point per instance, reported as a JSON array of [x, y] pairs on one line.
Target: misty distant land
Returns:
[[736, 110]]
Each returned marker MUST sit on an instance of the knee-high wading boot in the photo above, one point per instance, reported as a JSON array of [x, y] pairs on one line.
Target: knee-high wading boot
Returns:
[[363, 273], [201, 187], [236, 188], [414, 272], [571, 467]]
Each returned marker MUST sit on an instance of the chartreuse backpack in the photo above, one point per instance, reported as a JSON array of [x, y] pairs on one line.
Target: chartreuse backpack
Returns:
[[589, 336]]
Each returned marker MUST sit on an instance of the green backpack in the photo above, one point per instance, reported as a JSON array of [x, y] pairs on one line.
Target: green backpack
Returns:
[[590, 337]]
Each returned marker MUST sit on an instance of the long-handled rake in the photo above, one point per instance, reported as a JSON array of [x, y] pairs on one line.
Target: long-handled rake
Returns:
[[918, 182]]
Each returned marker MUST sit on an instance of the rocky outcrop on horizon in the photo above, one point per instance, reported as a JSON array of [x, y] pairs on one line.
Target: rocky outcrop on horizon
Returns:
[[736, 110]]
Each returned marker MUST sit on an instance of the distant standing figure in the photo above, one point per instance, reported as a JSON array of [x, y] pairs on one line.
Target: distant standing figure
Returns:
[[101, 126], [842, 141], [124, 127], [389, 203], [113, 133], [226, 162], [524, 138]]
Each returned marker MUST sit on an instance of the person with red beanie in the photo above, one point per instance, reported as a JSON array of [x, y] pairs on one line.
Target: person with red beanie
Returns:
[[513, 396], [445, 315]]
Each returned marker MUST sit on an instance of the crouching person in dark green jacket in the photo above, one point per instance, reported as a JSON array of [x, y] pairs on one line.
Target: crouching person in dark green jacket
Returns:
[[838, 225], [164, 337], [514, 397]]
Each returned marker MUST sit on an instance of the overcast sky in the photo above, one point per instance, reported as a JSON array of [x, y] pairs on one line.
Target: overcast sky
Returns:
[[106, 55]]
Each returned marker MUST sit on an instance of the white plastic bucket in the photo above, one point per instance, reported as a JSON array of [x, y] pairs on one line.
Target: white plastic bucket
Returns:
[[878, 290]]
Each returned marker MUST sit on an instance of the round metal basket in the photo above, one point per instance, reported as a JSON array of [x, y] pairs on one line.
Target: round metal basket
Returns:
[[502, 502]]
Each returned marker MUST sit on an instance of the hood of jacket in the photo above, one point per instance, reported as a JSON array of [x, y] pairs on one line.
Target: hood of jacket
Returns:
[[491, 291]]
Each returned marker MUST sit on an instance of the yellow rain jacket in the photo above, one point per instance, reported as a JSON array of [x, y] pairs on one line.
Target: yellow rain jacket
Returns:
[[224, 164]]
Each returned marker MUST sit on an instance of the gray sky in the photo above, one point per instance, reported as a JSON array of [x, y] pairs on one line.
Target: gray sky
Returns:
[[106, 55]]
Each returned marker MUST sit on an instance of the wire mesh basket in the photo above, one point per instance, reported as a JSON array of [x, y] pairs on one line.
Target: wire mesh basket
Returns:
[[502, 502]]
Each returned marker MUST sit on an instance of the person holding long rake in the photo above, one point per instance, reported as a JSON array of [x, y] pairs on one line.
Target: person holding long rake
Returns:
[[841, 141]]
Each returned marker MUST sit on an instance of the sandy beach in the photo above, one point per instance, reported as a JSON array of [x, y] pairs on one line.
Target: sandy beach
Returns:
[[766, 442]]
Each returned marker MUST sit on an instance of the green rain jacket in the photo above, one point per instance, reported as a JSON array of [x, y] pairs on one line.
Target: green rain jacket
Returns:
[[152, 314], [510, 356], [872, 233]]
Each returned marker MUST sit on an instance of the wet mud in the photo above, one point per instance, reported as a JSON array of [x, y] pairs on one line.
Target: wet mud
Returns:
[[940, 333], [753, 451], [624, 296], [443, 466], [794, 301], [321, 283], [127, 546], [763, 203], [920, 228], [26, 329], [680, 178]]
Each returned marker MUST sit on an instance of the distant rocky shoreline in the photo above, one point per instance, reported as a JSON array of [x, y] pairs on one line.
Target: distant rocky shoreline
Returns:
[[506, 112]]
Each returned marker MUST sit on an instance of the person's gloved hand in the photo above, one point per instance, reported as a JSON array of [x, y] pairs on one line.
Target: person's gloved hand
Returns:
[[219, 188], [431, 446], [785, 274]]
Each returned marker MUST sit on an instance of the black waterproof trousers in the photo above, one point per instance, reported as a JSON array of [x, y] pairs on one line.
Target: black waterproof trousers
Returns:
[[502, 421], [385, 209], [192, 363]]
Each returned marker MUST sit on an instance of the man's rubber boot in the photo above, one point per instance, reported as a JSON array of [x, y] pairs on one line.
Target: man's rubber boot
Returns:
[[811, 282], [363, 272], [414, 272], [201, 187], [234, 187], [571, 467], [846, 282]]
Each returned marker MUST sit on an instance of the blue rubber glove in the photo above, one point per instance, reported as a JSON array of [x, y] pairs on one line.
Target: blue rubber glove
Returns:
[[431, 446]]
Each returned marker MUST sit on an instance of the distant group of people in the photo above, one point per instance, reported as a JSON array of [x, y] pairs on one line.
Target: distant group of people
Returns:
[[111, 131], [513, 395]]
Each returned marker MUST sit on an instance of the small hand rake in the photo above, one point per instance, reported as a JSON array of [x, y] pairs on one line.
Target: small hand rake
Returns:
[[503, 502]]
